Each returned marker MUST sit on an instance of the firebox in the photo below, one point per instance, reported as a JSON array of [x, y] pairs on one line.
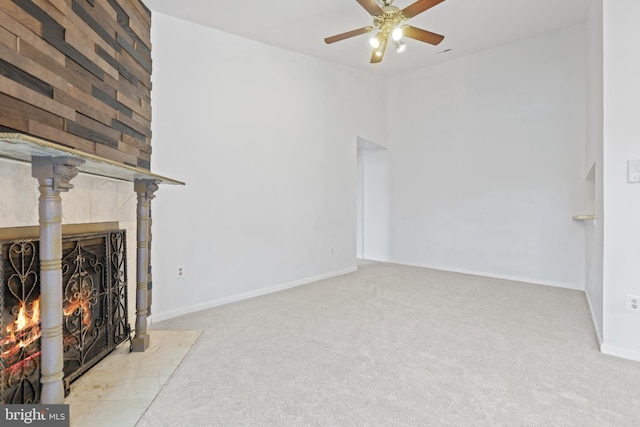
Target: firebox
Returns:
[[94, 304]]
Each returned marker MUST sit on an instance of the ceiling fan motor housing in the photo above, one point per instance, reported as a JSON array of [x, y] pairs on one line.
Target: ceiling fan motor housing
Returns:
[[390, 19]]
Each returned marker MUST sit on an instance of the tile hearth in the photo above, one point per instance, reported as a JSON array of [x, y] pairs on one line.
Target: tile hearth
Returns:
[[121, 387]]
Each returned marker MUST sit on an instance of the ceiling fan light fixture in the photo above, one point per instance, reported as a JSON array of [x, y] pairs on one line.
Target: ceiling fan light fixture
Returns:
[[397, 34], [374, 41]]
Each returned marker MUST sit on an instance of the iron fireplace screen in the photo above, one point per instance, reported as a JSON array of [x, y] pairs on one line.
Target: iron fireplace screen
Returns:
[[94, 292]]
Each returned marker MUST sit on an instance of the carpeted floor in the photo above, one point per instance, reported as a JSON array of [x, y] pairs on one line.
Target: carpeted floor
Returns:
[[392, 345]]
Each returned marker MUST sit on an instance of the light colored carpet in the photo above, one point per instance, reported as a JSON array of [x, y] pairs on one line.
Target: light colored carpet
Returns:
[[392, 345]]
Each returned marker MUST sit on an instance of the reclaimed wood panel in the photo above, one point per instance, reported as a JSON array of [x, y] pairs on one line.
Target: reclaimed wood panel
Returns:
[[35, 98], [131, 123], [146, 110], [64, 138], [78, 73], [74, 27], [23, 35], [16, 114], [28, 66], [22, 17], [144, 12], [134, 68], [139, 119], [100, 114], [137, 23], [25, 79], [80, 19], [91, 101], [8, 39], [136, 142], [129, 149], [116, 155]]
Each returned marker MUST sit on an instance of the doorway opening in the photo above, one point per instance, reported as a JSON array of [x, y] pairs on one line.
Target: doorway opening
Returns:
[[371, 197]]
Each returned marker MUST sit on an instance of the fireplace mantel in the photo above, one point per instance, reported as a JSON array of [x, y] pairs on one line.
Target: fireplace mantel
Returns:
[[21, 147], [54, 166]]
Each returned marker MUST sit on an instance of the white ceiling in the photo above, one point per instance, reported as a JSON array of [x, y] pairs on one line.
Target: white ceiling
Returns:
[[301, 26]]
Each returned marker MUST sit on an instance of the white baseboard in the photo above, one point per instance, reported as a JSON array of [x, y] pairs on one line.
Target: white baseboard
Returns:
[[594, 321], [157, 317], [500, 276], [620, 352]]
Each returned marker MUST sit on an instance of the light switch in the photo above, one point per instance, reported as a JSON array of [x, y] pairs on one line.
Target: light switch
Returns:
[[633, 171]]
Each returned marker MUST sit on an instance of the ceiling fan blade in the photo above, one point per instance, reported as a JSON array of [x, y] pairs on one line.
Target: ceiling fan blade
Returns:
[[346, 35], [419, 7], [375, 58], [422, 35], [372, 7]]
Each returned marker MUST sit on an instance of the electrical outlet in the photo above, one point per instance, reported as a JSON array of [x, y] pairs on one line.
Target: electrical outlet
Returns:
[[179, 270], [633, 303]]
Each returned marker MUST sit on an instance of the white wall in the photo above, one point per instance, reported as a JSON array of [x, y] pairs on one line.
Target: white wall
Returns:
[[487, 157], [377, 204], [266, 141], [621, 200]]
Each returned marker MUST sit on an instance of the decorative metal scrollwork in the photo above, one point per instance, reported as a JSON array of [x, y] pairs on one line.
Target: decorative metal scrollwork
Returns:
[[81, 293], [119, 287]]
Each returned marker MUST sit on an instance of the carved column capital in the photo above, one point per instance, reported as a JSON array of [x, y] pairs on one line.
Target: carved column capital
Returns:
[[59, 170], [146, 187]]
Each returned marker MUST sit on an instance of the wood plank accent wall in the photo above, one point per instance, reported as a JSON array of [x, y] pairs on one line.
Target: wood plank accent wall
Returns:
[[78, 73]]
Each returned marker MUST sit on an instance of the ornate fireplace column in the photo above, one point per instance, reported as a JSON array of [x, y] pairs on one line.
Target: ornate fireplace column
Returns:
[[54, 175], [145, 189]]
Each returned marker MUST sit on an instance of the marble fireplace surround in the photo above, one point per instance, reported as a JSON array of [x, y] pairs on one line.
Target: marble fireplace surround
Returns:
[[54, 166]]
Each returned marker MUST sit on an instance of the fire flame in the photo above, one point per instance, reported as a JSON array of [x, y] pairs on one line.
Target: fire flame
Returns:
[[26, 330], [81, 306], [23, 331]]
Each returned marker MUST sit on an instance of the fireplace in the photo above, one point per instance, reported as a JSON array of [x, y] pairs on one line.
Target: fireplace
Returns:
[[54, 166], [94, 305]]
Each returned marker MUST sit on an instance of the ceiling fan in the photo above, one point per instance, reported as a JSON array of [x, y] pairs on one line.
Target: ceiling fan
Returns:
[[387, 20]]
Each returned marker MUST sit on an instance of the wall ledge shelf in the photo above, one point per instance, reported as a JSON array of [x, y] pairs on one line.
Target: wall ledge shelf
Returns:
[[21, 147]]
